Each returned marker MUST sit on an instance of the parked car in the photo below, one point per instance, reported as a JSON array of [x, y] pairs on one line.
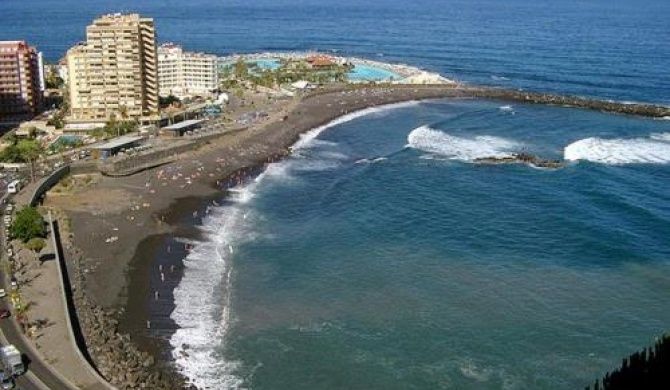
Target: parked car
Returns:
[[3, 293], [4, 313]]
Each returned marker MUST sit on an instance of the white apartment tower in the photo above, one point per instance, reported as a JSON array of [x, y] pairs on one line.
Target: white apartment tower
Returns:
[[114, 72], [182, 73]]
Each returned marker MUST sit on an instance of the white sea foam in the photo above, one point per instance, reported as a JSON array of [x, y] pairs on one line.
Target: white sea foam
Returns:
[[202, 299], [471, 370], [310, 136], [460, 148], [660, 136], [373, 160], [651, 150], [507, 110]]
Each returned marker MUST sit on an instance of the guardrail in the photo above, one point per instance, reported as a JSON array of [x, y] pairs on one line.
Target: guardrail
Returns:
[[48, 182]]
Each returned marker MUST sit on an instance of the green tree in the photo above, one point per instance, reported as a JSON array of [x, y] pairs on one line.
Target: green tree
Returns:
[[30, 151], [23, 151], [36, 244], [28, 224], [167, 101], [241, 68]]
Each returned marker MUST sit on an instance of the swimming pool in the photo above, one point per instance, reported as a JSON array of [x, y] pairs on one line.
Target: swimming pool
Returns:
[[267, 64], [370, 73], [264, 64], [359, 73], [66, 140]]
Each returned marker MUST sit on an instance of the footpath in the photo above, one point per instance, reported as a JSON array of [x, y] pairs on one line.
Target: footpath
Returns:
[[54, 359]]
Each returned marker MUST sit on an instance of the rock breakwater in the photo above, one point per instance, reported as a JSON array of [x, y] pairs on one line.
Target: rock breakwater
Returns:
[[640, 109]]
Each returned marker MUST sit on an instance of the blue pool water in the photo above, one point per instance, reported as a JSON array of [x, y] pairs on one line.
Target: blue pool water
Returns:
[[267, 64], [359, 73], [369, 73], [67, 140]]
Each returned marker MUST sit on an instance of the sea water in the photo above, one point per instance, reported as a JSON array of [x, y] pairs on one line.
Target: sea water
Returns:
[[380, 255]]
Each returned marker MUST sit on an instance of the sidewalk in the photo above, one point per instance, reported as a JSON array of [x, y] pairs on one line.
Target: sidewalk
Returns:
[[39, 286]]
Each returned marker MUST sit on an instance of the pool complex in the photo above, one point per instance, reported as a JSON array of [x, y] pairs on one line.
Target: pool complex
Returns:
[[359, 73], [268, 64], [371, 73], [67, 140]]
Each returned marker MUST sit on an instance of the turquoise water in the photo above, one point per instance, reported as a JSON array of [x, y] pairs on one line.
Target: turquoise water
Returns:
[[360, 72], [379, 256], [370, 73], [67, 140], [266, 64]]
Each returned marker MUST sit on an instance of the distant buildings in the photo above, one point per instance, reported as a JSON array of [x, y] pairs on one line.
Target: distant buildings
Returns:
[[182, 73], [115, 71], [21, 81]]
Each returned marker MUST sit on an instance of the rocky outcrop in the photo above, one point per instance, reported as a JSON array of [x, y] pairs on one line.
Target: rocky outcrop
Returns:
[[521, 158], [117, 359]]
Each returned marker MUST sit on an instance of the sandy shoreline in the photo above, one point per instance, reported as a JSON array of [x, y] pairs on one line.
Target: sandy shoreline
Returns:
[[123, 229]]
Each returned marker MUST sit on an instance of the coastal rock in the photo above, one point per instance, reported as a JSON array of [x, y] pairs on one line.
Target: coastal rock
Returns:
[[148, 362], [114, 355], [524, 158]]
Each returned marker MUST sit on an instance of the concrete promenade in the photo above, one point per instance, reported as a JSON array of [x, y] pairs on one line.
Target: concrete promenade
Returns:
[[55, 362]]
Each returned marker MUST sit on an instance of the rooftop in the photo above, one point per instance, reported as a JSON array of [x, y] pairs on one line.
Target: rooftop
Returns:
[[183, 125], [118, 142]]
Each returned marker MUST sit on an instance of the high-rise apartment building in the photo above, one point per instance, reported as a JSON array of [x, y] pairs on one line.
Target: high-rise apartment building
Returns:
[[114, 72], [20, 80], [183, 73]]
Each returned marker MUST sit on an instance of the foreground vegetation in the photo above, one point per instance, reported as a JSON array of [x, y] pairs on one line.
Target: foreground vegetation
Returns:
[[28, 225], [645, 370]]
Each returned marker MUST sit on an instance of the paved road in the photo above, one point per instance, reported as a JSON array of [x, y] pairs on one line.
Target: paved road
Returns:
[[39, 376], [35, 365]]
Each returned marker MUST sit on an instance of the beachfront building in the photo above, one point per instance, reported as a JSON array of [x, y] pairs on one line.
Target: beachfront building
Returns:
[[114, 73], [21, 81], [321, 62], [181, 128], [113, 147], [184, 73]]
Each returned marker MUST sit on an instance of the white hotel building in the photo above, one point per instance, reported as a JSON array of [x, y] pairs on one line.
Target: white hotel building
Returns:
[[182, 73]]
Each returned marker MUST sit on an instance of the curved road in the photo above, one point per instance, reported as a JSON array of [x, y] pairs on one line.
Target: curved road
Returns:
[[40, 376]]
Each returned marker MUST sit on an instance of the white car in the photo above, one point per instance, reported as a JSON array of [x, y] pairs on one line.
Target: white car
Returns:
[[3, 293]]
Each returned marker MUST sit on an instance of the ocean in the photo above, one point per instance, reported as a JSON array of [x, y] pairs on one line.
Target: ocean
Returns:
[[380, 255]]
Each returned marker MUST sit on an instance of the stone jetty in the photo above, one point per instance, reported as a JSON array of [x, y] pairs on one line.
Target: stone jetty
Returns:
[[641, 109]]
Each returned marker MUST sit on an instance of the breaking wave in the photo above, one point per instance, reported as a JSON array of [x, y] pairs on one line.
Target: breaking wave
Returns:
[[459, 148], [202, 298], [307, 138], [652, 150]]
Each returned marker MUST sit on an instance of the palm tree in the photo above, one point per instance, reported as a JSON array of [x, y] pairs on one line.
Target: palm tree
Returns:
[[30, 151]]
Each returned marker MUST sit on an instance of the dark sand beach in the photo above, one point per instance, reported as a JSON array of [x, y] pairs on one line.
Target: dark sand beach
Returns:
[[124, 228]]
